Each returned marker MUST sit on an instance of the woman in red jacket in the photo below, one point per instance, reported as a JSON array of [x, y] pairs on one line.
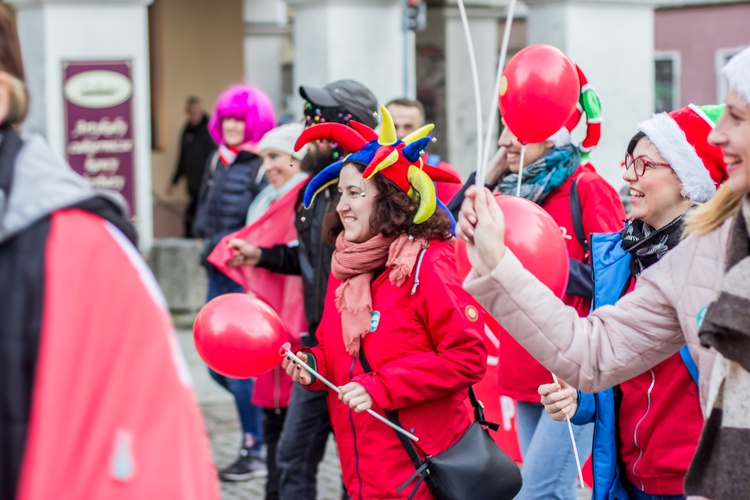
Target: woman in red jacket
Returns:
[[395, 301]]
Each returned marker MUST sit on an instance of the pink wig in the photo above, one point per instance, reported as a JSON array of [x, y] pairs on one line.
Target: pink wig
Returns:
[[247, 103]]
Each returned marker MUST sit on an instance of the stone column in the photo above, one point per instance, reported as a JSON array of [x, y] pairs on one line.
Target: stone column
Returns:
[[358, 39], [613, 42], [53, 31], [266, 33]]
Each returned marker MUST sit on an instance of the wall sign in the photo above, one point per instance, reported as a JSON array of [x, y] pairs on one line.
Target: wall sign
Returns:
[[98, 101]]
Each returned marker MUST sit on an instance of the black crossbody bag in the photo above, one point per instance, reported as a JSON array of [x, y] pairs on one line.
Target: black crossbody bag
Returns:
[[474, 468]]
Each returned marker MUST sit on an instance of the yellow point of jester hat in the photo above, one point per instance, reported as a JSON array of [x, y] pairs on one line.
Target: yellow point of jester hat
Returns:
[[399, 161]]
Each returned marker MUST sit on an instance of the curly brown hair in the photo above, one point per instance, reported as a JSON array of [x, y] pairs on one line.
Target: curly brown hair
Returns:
[[392, 215]]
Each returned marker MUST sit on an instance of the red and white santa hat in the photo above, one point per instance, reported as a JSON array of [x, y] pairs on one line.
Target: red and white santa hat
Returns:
[[681, 137]]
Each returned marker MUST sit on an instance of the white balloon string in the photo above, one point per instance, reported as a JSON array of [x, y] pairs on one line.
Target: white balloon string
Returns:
[[488, 142], [338, 391], [573, 440], [520, 169], [475, 78]]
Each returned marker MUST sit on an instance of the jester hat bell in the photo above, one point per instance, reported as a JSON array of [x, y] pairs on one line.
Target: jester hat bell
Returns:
[[399, 161]]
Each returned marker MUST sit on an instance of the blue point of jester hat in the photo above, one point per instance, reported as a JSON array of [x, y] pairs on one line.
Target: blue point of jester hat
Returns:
[[399, 161]]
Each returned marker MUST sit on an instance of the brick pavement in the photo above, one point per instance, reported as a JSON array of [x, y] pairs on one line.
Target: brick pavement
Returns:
[[224, 434]]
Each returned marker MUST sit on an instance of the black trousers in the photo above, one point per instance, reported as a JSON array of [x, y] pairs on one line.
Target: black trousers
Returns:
[[273, 423]]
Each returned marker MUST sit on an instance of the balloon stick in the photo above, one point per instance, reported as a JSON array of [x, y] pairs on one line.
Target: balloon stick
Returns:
[[475, 79], [482, 169], [338, 391], [573, 440], [520, 173]]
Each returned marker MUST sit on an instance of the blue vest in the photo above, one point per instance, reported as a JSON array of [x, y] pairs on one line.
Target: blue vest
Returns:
[[610, 265]]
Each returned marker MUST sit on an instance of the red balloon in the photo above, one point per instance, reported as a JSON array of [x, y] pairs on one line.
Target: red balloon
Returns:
[[534, 237], [239, 335], [538, 92]]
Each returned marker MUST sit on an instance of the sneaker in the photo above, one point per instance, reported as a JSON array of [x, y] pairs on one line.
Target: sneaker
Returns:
[[246, 467]]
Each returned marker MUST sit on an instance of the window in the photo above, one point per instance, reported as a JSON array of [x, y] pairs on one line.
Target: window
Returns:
[[666, 81], [722, 56]]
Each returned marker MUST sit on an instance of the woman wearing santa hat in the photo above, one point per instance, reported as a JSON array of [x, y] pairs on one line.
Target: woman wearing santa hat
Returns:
[[647, 428]]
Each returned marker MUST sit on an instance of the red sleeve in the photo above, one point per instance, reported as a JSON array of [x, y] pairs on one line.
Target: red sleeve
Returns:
[[600, 205], [453, 320]]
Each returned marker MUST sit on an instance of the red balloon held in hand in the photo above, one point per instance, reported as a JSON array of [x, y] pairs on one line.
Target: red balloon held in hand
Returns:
[[534, 237], [539, 91], [239, 335]]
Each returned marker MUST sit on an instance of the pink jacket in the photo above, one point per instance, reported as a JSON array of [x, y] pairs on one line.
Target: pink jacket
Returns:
[[614, 343]]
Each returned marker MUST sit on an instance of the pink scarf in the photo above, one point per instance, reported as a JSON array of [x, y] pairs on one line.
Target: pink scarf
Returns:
[[355, 264]]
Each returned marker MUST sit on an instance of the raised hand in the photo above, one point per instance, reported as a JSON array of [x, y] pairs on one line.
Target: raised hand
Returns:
[[481, 224]]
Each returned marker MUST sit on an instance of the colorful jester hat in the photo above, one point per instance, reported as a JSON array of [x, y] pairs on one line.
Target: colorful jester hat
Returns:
[[399, 161]]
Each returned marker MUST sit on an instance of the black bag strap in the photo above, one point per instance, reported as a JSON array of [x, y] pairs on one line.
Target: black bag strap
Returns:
[[419, 465], [577, 212]]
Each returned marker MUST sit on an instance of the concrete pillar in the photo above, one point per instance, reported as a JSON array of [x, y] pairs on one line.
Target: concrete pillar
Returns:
[[613, 42], [54, 31], [358, 39], [461, 132], [266, 33]]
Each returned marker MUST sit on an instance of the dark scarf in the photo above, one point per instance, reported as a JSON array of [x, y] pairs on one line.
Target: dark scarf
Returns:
[[543, 176], [719, 468], [647, 245]]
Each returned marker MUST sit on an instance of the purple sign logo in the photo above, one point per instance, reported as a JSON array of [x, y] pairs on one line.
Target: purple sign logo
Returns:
[[98, 98]]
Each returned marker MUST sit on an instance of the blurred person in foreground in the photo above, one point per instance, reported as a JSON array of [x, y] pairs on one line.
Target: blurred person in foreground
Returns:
[[95, 396]]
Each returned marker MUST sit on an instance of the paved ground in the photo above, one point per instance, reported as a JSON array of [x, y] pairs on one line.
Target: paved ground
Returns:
[[223, 432]]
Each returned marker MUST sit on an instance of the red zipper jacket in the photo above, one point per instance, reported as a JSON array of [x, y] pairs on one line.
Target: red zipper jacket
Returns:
[[519, 374], [425, 350]]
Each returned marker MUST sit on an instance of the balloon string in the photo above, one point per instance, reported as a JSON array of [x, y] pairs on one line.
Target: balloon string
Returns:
[[475, 78], [338, 391], [573, 440], [520, 170], [482, 170]]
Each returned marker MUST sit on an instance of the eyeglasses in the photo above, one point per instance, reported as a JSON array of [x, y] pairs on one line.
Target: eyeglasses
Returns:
[[641, 163]]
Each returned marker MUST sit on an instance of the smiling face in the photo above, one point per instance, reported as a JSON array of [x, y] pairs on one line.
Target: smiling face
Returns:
[[279, 167], [656, 197], [233, 131], [356, 202], [534, 150], [732, 134]]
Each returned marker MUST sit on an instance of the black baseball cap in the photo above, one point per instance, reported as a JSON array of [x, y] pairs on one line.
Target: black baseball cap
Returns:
[[348, 94]]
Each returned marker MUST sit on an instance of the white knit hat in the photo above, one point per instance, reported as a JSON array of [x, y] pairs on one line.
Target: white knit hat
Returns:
[[737, 73], [282, 139]]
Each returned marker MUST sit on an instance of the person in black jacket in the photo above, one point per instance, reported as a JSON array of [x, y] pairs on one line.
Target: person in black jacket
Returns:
[[195, 146], [307, 426], [232, 180]]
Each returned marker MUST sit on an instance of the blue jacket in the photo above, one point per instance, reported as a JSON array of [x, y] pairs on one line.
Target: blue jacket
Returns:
[[611, 269], [611, 274]]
